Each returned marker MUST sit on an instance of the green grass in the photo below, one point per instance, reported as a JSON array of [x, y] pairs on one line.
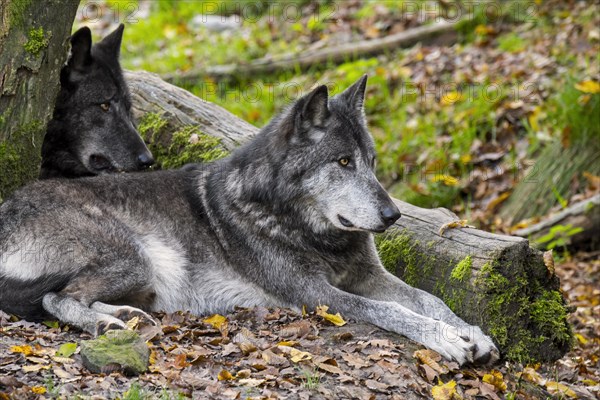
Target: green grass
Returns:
[[511, 43]]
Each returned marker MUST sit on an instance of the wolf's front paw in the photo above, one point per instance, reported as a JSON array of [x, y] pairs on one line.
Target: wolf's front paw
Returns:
[[452, 345], [486, 353], [107, 323]]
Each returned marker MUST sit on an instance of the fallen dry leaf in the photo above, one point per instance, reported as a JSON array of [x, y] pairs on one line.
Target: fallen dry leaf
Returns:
[[453, 224], [496, 379], [335, 319], [560, 389], [224, 375], [216, 321], [444, 391]]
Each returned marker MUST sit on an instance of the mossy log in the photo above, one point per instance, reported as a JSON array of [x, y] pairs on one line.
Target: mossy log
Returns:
[[33, 49], [497, 282]]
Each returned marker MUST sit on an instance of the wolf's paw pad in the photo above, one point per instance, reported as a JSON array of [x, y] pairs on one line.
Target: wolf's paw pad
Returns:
[[105, 325], [486, 352], [127, 313]]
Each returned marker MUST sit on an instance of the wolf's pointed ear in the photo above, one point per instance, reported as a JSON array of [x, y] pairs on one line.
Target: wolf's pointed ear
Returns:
[[81, 49], [112, 42], [355, 94], [315, 110]]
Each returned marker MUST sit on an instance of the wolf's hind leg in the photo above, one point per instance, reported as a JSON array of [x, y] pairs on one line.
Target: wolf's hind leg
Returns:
[[124, 313], [71, 311]]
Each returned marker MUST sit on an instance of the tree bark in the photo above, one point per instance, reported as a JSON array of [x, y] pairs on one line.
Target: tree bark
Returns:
[[33, 49], [497, 282]]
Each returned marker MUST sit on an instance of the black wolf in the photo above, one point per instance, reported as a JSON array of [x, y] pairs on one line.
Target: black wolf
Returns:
[[91, 131], [285, 220]]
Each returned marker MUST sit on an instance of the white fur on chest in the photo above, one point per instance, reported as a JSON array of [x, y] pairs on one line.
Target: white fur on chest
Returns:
[[168, 261]]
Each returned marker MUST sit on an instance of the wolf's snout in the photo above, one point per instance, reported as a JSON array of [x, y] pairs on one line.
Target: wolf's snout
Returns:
[[145, 160], [390, 214]]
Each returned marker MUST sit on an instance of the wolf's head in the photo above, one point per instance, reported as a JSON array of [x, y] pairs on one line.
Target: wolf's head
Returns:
[[325, 159], [92, 131]]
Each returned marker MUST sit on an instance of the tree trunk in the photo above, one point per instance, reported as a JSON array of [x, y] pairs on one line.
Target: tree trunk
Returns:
[[33, 49], [497, 282]]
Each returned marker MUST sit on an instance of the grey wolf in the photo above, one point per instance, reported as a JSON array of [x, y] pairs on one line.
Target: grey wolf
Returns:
[[92, 131], [286, 220]]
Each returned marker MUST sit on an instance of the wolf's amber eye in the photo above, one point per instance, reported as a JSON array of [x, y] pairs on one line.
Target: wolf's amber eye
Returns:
[[344, 162], [105, 106]]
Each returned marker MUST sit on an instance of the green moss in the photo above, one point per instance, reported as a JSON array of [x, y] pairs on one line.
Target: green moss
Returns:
[[462, 270], [190, 145], [391, 249], [19, 157], [517, 307], [548, 312], [187, 145], [36, 42], [121, 347], [17, 10], [398, 250], [150, 126]]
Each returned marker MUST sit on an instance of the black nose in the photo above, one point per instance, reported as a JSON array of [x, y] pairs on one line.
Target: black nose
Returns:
[[145, 159], [389, 215]]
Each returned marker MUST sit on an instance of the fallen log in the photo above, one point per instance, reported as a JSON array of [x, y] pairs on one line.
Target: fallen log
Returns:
[[584, 214], [306, 59], [497, 282]]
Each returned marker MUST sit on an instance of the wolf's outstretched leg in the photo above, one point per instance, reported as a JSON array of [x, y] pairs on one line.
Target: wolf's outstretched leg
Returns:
[[379, 284], [71, 311], [124, 313]]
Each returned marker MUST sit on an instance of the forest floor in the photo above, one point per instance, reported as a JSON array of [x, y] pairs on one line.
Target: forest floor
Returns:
[[276, 353]]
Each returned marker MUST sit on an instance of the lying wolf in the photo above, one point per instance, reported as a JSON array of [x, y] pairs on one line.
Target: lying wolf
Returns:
[[91, 131], [285, 220]]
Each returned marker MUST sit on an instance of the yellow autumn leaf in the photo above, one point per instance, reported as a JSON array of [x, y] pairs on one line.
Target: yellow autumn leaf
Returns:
[[133, 323], [444, 391], [581, 339], [304, 313], [215, 320], [288, 343], [534, 119], [38, 389], [426, 356], [334, 319], [592, 87], [466, 158], [225, 375], [445, 179], [451, 97], [531, 375], [297, 355], [496, 379], [25, 350], [558, 388]]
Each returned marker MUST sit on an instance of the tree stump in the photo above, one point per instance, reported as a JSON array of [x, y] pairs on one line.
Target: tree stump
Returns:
[[497, 282]]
